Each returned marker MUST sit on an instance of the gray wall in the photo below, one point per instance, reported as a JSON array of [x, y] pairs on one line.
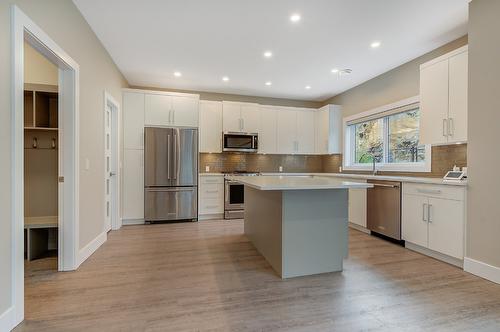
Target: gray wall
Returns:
[[64, 24], [397, 84], [483, 210]]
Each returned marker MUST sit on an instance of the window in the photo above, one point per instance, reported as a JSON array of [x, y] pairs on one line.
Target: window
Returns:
[[389, 136]]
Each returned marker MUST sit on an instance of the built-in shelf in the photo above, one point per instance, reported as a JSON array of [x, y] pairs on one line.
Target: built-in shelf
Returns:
[[41, 128]]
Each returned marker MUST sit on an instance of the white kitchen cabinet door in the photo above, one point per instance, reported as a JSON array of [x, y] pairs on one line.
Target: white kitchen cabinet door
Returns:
[[268, 130], [210, 126], [133, 184], [357, 206], [434, 103], [457, 112], [250, 115], [185, 111], [321, 118], [414, 219], [446, 227], [231, 117], [305, 132], [158, 110], [287, 128], [133, 120]]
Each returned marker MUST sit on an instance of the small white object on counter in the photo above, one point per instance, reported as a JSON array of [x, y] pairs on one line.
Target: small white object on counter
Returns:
[[301, 182]]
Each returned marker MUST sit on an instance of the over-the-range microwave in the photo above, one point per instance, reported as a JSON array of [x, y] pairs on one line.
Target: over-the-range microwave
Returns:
[[240, 142]]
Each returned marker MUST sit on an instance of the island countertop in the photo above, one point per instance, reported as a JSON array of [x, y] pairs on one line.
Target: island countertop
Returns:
[[299, 182]]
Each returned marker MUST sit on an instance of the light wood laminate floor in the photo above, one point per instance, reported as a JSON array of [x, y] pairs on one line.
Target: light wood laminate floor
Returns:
[[207, 276]]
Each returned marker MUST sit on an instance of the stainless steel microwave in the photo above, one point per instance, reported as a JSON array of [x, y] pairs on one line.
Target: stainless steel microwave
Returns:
[[240, 142]]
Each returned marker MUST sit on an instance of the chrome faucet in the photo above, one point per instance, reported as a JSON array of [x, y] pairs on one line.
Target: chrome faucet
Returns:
[[374, 170]]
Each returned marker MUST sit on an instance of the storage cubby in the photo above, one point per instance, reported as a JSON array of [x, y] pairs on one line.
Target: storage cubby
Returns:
[[46, 109], [29, 111]]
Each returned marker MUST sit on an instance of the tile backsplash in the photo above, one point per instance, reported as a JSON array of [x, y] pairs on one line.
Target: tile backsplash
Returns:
[[443, 159]]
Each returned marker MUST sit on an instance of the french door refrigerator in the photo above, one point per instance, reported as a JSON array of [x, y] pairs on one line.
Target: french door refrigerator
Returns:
[[170, 174]]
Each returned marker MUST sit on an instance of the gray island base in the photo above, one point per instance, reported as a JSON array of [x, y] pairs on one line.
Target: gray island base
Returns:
[[300, 225]]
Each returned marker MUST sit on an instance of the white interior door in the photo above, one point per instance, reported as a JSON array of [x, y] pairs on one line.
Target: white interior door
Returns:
[[109, 173]]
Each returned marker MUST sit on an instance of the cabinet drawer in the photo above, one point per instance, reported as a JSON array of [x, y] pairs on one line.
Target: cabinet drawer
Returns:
[[212, 190], [435, 190], [211, 179], [211, 205]]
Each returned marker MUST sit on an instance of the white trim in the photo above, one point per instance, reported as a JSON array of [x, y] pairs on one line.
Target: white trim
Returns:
[[129, 222], [166, 93], [359, 228], [90, 248], [391, 167], [444, 57], [211, 216], [116, 222], [483, 270], [7, 319], [23, 28]]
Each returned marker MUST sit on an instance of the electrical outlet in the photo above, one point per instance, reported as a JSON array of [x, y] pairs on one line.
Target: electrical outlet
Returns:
[[280, 169], [87, 164], [340, 169], [207, 169]]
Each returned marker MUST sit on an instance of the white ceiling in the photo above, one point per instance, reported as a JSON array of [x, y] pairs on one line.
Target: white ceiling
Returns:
[[207, 39]]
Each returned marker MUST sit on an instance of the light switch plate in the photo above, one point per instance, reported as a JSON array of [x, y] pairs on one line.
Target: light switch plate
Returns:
[[281, 169], [207, 169], [87, 164]]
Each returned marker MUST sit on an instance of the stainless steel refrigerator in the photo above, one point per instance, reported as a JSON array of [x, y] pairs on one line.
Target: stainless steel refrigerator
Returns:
[[170, 174]]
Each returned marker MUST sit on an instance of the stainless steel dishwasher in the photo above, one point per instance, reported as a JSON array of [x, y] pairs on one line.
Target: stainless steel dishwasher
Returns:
[[384, 208]]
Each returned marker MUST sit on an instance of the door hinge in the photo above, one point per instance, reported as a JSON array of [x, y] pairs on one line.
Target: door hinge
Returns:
[[60, 179]]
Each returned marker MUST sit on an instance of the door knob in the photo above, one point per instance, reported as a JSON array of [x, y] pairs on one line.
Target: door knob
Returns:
[[112, 173]]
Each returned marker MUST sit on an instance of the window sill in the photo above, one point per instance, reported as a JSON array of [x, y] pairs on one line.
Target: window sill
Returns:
[[419, 168]]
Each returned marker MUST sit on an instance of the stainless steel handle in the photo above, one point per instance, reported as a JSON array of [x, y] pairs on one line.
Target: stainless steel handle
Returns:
[[429, 191], [168, 157], [429, 212], [175, 157], [173, 116], [242, 124], [211, 181], [211, 191], [424, 207], [445, 131], [169, 116], [112, 173], [159, 190], [211, 206], [451, 127], [384, 185]]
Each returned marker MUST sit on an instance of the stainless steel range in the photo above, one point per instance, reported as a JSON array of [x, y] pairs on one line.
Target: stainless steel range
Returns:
[[234, 196]]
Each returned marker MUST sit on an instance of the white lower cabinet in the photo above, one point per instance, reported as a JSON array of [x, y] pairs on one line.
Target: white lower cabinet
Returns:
[[211, 196], [433, 217], [357, 205], [133, 186]]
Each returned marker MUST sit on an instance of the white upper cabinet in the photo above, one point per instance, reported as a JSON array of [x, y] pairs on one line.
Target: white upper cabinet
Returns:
[[305, 132], [268, 130], [171, 110], [240, 117], [210, 126], [158, 110], [287, 131], [133, 120], [328, 134], [457, 112], [443, 98]]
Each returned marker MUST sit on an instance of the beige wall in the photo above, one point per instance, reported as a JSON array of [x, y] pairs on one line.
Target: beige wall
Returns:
[[242, 98], [397, 84], [64, 24], [483, 210], [37, 69]]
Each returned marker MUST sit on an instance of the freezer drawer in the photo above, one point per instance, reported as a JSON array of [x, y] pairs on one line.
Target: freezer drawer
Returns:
[[170, 203]]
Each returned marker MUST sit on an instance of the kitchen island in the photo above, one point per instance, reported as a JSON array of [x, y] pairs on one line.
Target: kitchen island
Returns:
[[298, 223]]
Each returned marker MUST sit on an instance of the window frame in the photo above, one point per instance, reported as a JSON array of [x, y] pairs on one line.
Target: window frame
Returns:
[[350, 142]]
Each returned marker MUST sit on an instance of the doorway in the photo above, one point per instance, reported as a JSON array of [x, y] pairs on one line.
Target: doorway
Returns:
[[66, 141]]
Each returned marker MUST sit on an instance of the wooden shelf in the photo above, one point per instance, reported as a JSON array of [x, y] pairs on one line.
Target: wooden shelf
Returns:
[[41, 128]]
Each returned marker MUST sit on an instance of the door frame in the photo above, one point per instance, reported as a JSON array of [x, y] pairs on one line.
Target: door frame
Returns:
[[23, 28], [109, 101]]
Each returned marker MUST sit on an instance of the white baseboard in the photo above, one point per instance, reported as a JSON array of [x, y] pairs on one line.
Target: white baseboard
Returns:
[[434, 254], [7, 321], [90, 248], [359, 228], [483, 270], [127, 222], [214, 216]]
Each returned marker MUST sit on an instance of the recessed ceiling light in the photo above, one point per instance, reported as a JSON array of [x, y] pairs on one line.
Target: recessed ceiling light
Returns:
[[295, 18], [225, 78], [375, 44], [268, 54], [268, 83], [308, 87], [177, 74], [335, 70]]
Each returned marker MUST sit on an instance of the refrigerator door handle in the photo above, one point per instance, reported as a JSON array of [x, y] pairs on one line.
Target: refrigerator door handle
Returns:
[[168, 157], [175, 151]]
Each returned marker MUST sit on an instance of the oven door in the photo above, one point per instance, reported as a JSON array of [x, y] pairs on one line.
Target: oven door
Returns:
[[234, 196], [240, 142]]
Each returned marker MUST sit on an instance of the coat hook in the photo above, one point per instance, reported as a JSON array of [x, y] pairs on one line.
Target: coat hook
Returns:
[[53, 143], [35, 142]]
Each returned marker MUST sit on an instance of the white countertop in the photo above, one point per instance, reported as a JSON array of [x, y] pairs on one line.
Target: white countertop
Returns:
[[410, 179], [298, 182]]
